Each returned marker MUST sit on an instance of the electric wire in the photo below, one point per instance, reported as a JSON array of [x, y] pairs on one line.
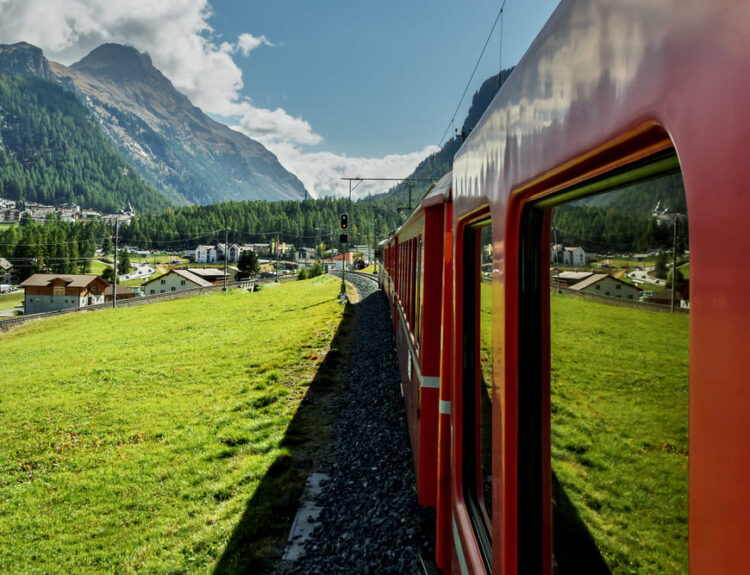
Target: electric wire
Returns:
[[466, 89]]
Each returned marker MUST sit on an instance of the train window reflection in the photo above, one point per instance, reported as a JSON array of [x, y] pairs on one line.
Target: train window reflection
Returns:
[[477, 383], [619, 264]]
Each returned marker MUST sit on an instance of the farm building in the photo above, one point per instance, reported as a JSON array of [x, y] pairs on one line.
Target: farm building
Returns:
[[174, 280], [53, 292]]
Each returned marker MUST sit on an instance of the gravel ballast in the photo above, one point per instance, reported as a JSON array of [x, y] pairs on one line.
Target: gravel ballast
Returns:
[[370, 521]]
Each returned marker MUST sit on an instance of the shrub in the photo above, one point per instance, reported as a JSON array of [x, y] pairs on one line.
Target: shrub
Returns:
[[315, 270], [302, 274]]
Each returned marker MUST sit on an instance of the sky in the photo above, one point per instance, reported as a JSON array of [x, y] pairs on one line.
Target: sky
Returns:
[[334, 88]]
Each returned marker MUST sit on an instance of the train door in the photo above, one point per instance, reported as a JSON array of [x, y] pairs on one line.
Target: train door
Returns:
[[474, 396]]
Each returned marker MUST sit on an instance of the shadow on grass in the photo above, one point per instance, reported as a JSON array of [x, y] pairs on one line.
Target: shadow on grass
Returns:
[[261, 533], [574, 548]]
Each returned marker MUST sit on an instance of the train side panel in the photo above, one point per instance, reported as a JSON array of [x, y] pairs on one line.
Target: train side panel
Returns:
[[607, 86]]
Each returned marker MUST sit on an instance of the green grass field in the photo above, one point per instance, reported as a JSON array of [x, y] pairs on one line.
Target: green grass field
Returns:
[[11, 300], [620, 430], [156, 439]]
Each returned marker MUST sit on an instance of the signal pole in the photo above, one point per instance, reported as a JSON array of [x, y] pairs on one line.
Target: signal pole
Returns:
[[114, 284], [277, 257], [226, 257]]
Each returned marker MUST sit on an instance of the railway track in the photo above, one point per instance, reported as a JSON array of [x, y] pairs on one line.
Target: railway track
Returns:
[[369, 520]]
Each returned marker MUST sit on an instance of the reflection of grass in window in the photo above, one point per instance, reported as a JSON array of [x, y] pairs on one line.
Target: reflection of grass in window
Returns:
[[485, 360], [485, 333], [620, 429]]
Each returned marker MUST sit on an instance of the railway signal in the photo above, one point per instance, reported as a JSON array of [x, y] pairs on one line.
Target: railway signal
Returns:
[[344, 222]]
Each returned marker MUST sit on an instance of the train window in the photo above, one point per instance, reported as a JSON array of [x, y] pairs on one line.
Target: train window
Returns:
[[477, 381], [614, 447], [420, 288]]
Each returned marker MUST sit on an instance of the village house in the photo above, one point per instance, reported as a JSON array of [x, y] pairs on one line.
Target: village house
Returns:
[[212, 275], [606, 285], [6, 270], [567, 279], [53, 292], [173, 281], [229, 252], [561, 255], [205, 254], [305, 256], [122, 293]]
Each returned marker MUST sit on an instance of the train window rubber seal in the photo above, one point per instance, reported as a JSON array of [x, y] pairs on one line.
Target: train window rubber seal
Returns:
[[470, 466], [530, 463]]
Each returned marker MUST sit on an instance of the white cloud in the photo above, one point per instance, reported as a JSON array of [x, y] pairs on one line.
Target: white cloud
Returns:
[[321, 172], [248, 42], [178, 37]]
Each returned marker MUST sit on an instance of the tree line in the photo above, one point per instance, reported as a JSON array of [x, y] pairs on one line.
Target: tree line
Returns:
[[52, 246], [307, 223]]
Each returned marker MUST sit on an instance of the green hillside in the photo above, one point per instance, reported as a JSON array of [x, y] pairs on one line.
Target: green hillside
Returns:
[[165, 438], [52, 152], [440, 163]]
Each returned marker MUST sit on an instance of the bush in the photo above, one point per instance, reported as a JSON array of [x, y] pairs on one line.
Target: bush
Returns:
[[315, 270], [302, 274]]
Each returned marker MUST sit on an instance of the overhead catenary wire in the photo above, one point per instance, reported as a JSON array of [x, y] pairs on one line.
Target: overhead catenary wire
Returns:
[[468, 84]]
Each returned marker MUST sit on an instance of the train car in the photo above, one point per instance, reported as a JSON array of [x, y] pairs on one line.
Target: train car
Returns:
[[610, 96]]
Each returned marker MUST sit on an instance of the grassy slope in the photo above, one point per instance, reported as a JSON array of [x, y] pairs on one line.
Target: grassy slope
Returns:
[[134, 439], [10, 300], [620, 429]]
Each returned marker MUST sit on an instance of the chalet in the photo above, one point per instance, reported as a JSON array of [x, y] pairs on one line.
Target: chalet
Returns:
[[606, 285], [122, 293], [172, 281], [567, 279], [6, 270], [53, 292]]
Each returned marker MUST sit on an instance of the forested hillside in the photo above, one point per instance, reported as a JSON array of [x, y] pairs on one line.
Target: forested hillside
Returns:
[[306, 223], [438, 164], [59, 247], [52, 152], [622, 220]]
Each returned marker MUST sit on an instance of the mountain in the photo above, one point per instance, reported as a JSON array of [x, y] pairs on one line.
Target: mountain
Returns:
[[173, 144], [51, 149], [436, 165]]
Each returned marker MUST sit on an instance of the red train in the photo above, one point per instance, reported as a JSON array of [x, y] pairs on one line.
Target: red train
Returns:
[[611, 94]]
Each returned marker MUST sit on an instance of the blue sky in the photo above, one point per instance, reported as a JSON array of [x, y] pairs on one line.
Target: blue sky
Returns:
[[333, 87]]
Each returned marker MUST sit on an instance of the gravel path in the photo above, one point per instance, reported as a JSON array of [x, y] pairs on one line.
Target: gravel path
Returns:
[[370, 520]]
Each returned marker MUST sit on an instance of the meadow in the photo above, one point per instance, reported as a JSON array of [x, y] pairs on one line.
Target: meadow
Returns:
[[158, 439], [619, 445], [11, 300]]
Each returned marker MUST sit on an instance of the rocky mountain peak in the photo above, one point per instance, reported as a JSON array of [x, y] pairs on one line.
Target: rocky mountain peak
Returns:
[[23, 58], [118, 63]]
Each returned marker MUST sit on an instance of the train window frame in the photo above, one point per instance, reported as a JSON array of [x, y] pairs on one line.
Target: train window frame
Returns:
[[471, 462], [533, 511]]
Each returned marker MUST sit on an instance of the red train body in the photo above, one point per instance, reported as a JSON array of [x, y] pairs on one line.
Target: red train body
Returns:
[[607, 89]]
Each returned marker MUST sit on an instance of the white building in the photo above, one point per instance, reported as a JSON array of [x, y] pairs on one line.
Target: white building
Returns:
[[205, 254], [606, 285], [173, 281], [567, 256]]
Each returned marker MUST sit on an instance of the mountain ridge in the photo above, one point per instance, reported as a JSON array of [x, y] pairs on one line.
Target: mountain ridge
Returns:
[[172, 144]]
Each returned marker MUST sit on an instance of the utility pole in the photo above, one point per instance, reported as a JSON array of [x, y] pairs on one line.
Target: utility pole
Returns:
[[557, 260], [114, 285], [674, 257], [226, 257], [277, 257]]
